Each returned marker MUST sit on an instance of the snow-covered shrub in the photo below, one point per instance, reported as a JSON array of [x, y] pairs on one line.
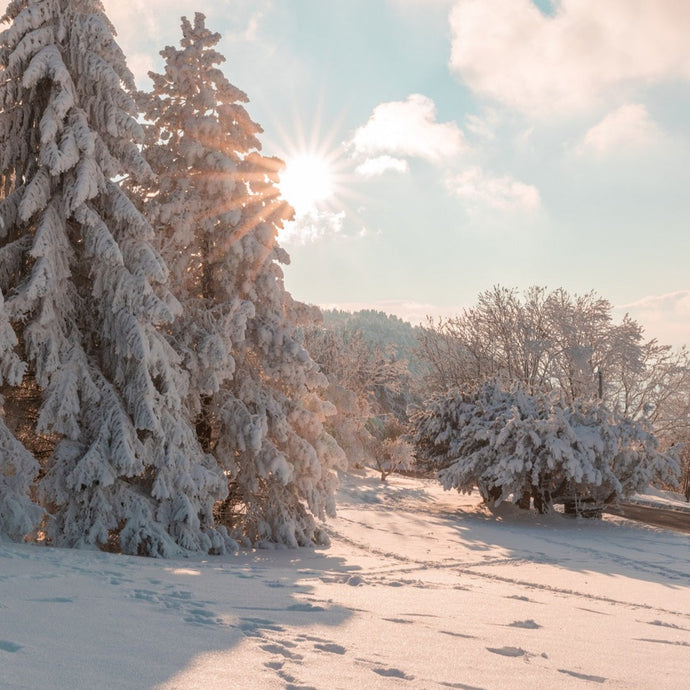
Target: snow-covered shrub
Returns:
[[396, 455], [510, 442], [348, 425]]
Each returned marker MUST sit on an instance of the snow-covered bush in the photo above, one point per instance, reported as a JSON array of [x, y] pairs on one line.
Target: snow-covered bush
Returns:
[[510, 442], [391, 450], [348, 425]]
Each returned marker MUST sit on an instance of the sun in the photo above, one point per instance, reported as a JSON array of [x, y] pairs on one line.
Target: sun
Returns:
[[306, 182]]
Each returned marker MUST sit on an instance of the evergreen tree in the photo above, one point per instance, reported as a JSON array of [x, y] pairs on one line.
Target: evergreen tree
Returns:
[[84, 299], [217, 211]]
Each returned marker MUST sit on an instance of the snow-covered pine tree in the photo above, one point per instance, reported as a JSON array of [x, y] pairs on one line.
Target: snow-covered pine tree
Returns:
[[85, 298], [217, 211]]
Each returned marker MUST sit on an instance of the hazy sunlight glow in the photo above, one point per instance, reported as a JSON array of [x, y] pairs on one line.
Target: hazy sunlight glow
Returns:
[[306, 182]]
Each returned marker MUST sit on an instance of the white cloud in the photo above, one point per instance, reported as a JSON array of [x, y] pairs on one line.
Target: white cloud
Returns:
[[374, 167], [511, 52], [253, 25], [628, 128], [502, 193], [312, 226], [665, 317], [408, 128]]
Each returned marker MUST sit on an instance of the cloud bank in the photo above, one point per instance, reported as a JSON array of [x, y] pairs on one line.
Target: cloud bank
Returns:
[[509, 51]]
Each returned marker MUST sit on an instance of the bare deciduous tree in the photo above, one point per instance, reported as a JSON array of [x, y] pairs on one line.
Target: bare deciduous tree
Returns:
[[544, 340]]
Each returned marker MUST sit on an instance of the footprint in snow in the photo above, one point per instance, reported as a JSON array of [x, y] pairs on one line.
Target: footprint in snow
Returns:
[[281, 650], [582, 676], [356, 581], [201, 617], [507, 651], [599, 613], [181, 594], [11, 647], [292, 682], [253, 627], [456, 634], [275, 584], [528, 624], [665, 625], [311, 638], [331, 648], [393, 673], [55, 600], [305, 607], [672, 642]]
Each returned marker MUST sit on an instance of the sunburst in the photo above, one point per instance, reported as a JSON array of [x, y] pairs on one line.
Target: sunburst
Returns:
[[307, 182], [318, 179]]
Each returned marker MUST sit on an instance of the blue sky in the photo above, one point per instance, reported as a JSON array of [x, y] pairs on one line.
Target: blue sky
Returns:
[[470, 142]]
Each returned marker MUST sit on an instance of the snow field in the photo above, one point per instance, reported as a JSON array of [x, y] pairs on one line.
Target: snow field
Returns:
[[419, 589]]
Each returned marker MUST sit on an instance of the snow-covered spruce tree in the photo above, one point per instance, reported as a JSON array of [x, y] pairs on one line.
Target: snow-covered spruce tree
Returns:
[[216, 209], [84, 298], [510, 442]]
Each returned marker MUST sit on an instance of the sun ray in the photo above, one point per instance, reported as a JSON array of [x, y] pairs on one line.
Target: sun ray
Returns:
[[311, 180]]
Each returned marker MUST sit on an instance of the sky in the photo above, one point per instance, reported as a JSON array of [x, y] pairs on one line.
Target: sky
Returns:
[[451, 145]]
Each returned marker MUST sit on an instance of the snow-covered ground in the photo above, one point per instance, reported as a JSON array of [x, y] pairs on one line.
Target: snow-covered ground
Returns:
[[656, 498], [420, 589]]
